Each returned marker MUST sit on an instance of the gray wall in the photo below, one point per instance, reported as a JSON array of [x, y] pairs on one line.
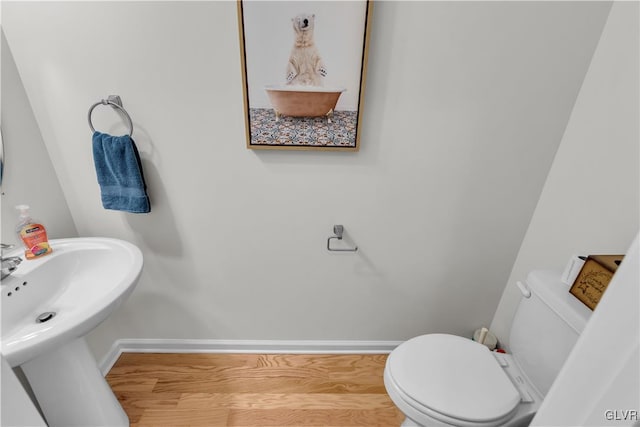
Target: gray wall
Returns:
[[29, 177], [590, 202], [466, 104]]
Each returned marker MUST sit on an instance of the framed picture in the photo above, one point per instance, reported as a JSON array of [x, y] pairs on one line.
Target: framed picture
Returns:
[[594, 278], [303, 67]]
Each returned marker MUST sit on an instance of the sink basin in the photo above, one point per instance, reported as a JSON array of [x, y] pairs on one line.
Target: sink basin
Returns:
[[48, 305], [82, 282]]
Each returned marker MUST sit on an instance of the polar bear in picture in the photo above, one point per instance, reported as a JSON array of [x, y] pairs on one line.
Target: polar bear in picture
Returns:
[[305, 66]]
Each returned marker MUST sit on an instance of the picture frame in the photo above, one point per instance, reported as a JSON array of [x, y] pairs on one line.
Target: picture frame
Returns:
[[594, 277], [303, 73]]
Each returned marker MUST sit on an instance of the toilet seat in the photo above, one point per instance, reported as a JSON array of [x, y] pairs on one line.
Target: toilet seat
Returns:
[[453, 380]]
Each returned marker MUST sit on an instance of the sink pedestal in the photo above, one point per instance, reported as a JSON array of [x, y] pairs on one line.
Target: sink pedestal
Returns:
[[71, 389]]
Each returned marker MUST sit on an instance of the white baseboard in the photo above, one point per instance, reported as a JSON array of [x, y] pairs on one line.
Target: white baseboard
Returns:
[[242, 346]]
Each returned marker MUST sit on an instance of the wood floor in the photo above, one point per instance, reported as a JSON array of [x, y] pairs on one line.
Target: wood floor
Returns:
[[253, 390]]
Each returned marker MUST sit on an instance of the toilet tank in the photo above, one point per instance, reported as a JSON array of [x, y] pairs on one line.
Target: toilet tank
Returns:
[[545, 328]]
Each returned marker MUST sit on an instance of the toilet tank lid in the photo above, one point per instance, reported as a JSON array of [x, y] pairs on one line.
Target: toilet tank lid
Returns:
[[550, 288]]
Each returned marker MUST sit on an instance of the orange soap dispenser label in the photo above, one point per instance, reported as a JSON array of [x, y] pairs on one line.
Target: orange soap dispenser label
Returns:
[[35, 239]]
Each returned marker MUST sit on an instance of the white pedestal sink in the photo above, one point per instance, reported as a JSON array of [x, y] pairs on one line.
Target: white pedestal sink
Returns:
[[70, 291]]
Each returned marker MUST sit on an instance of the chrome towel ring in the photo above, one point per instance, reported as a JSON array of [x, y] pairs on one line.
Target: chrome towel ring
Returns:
[[116, 102]]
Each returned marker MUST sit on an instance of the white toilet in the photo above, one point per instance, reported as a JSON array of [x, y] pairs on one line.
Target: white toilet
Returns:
[[447, 380]]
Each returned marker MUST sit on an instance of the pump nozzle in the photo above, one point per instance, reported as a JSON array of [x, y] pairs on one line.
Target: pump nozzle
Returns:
[[24, 217], [24, 211]]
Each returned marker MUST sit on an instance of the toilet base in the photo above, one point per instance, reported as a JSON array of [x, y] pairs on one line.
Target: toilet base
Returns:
[[409, 423], [523, 421]]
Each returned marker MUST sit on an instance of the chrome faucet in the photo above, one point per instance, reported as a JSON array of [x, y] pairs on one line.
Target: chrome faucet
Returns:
[[9, 264]]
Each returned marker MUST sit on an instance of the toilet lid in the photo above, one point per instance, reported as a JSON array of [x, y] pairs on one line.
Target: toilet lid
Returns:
[[453, 376]]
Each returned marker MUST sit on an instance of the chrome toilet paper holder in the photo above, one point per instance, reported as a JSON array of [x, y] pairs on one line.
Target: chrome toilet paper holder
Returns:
[[338, 230]]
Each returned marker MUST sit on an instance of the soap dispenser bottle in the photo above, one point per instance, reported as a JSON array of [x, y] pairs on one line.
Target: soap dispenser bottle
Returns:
[[32, 234]]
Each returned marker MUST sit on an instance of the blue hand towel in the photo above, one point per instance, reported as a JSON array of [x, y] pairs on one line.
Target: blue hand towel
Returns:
[[119, 172]]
